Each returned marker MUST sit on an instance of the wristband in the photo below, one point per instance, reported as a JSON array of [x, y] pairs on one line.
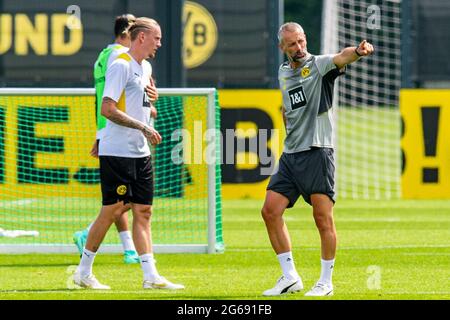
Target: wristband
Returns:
[[356, 51]]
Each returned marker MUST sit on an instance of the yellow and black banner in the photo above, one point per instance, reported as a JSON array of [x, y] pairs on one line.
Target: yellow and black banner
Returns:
[[44, 145], [426, 151], [254, 118]]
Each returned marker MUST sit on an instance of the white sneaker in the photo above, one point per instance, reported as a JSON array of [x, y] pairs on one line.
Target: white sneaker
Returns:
[[320, 290], [89, 282], [161, 283], [284, 286]]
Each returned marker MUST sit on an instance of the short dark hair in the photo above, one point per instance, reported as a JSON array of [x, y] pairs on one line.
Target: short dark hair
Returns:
[[122, 24]]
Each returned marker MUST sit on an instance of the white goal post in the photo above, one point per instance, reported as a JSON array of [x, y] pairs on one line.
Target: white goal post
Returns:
[[367, 117]]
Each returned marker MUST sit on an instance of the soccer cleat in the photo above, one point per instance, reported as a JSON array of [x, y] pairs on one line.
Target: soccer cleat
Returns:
[[130, 256], [161, 283], [80, 238], [89, 282], [320, 290], [284, 286]]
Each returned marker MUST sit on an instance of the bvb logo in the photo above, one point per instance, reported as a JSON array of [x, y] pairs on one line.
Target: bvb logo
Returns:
[[200, 34], [121, 190], [305, 72]]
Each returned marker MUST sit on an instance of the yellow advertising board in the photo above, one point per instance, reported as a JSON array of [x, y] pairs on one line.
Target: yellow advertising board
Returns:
[[25, 35], [45, 146], [255, 116], [426, 151]]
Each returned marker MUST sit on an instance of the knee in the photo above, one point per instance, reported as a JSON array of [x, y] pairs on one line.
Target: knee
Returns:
[[143, 214], [118, 214], [268, 214], [146, 214], [110, 213], [324, 223]]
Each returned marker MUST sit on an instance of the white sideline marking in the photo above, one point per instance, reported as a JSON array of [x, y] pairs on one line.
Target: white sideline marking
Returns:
[[80, 290], [419, 292], [425, 254], [346, 248], [341, 219], [157, 292], [396, 247]]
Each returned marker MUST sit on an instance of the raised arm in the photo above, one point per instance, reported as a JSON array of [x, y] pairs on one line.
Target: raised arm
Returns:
[[351, 54]]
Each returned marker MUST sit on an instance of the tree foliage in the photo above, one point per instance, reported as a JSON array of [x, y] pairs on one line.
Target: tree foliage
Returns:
[[308, 13]]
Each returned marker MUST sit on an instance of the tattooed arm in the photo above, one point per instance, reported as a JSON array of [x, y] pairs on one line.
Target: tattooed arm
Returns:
[[112, 113]]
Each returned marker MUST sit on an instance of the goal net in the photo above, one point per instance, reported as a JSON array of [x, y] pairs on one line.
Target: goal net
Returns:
[[49, 184], [368, 154]]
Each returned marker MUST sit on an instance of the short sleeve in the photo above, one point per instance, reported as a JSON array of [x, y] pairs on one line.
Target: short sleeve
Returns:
[[325, 63], [115, 53], [116, 79]]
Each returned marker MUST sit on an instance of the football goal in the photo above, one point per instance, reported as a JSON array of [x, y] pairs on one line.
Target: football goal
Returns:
[[368, 122], [49, 183]]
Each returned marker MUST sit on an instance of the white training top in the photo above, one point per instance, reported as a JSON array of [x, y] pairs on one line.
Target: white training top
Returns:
[[124, 83], [117, 50]]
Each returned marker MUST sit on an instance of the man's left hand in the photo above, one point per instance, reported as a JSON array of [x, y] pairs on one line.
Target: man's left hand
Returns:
[[151, 91], [364, 48], [94, 150]]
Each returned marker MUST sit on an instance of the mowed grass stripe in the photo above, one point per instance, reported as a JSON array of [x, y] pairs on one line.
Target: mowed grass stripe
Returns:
[[411, 255]]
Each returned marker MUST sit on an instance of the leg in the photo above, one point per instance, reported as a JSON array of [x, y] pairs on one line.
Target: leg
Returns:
[[142, 235], [122, 219], [121, 223], [83, 276], [272, 213], [142, 228], [101, 225], [143, 242], [323, 216], [129, 251]]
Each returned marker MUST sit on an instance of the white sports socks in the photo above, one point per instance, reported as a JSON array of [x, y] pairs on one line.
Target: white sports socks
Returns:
[[148, 266], [127, 241], [87, 260], [287, 265], [327, 271]]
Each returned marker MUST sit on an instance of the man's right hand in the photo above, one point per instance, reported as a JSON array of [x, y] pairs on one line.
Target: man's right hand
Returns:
[[152, 135]]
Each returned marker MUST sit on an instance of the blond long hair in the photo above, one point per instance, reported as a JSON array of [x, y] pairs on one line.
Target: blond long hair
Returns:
[[141, 24]]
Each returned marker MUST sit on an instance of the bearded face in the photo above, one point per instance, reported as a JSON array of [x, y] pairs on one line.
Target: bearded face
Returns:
[[294, 46]]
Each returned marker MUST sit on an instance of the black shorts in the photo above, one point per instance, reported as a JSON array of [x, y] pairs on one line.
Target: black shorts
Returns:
[[304, 173], [126, 179]]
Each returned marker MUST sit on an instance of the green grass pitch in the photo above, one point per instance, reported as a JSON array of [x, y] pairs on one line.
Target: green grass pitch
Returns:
[[387, 250]]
